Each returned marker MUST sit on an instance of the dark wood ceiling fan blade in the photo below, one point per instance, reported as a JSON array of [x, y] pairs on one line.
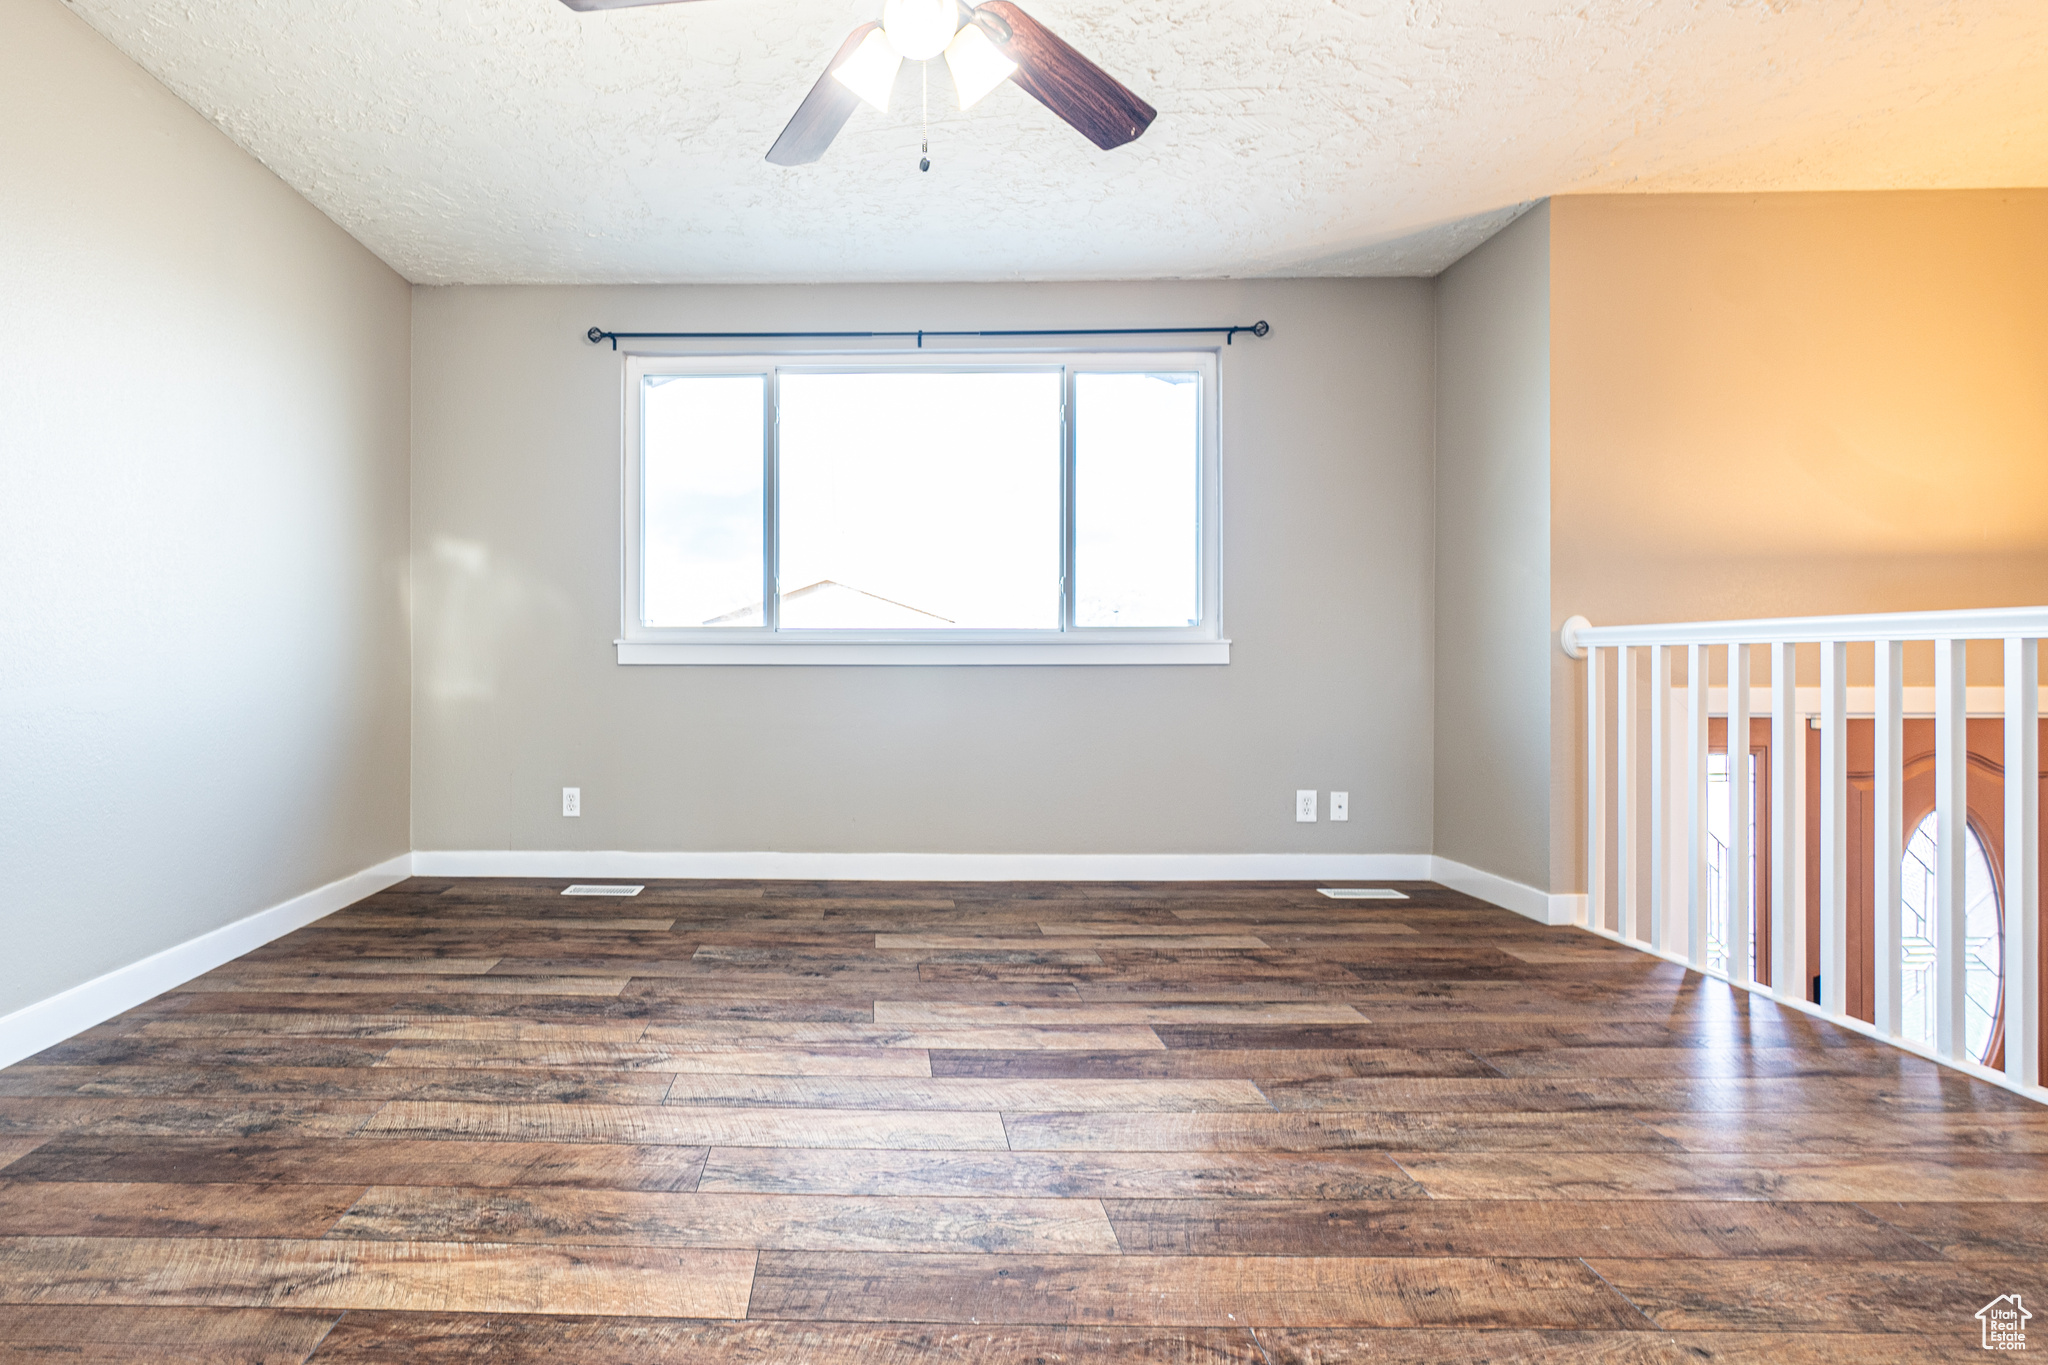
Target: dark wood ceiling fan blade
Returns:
[[822, 114], [1098, 105], [588, 5]]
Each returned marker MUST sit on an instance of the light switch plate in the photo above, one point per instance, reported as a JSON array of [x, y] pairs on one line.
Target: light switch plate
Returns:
[[1340, 805], [1305, 807]]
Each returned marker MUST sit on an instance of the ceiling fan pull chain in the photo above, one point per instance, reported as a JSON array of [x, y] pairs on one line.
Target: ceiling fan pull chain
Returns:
[[924, 76]]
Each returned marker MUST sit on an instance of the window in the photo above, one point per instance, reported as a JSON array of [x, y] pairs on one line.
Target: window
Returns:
[[886, 509], [1983, 941]]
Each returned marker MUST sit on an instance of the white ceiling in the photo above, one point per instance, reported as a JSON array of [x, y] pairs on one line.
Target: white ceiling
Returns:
[[517, 141]]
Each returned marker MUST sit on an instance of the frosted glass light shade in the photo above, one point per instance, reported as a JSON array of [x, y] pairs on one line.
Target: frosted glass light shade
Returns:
[[978, 65], [920, 29], [871, 71]]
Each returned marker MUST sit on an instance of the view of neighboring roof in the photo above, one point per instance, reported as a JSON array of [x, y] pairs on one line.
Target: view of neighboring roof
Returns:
[[830, 605]]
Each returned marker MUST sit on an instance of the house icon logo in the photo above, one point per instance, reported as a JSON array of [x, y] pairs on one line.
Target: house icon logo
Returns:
[[2005, 1323]]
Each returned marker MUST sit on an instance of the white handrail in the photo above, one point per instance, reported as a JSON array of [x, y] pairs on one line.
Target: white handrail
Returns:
[[1648, 833], [1989, 623]]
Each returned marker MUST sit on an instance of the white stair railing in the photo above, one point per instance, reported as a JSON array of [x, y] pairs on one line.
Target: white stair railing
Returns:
[[1650, 883]]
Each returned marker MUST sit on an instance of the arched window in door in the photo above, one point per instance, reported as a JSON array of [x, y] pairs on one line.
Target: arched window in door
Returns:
[[1983, 932]]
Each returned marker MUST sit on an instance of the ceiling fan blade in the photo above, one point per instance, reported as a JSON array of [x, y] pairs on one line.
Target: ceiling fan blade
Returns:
[[588, 5], [822, 114], [1099, 106]]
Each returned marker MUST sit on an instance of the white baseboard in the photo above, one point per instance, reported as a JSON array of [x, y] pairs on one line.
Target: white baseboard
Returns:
[[929, 867], [46, 1023], [999, 867], [1544, 907]]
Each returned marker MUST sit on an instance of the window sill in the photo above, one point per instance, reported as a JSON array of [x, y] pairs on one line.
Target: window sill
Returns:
[[924, 653]]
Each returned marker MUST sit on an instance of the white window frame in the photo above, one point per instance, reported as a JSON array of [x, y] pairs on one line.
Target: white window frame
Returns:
[[638, 643]]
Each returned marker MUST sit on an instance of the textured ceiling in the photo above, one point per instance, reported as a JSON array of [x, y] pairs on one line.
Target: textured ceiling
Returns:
[[517, 141]]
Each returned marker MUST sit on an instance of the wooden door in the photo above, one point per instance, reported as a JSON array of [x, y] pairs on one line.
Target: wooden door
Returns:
[[1986, 813]]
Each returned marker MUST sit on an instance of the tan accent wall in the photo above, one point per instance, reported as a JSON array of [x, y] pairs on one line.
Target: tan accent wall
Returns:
[[203, 637], [1776, 405]]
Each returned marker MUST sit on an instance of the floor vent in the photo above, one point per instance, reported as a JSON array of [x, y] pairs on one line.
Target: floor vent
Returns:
[[602, 889], [1362, 893]]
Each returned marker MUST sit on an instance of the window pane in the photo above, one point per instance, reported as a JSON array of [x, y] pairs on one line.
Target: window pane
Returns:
[[920, 501], [1983, 939], [1137, 499], [702, 499]]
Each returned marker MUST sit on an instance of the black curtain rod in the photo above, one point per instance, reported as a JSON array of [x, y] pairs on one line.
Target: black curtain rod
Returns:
[[1257, 329]]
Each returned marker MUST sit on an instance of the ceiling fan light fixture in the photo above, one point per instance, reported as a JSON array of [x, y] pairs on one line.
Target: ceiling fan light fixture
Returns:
[[978, 65], [920, 29], [871, 71]]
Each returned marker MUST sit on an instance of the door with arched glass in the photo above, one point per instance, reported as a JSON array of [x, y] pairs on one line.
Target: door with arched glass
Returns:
[[1984, 872], [1983, 935]]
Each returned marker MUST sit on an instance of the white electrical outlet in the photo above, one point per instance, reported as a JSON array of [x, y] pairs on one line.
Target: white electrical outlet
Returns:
[[1305, 808], [572, 800], [1340, 805]]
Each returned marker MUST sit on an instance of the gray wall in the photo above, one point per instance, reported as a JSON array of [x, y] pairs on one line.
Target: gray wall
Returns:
[[1326, 450], [203, 415], [1493, 637]]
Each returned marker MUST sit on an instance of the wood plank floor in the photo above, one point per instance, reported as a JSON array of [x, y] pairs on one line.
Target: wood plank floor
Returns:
[[795, 1123]]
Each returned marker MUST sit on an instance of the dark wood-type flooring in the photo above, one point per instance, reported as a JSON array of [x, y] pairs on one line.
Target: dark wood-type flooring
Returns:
[[796, 1123]]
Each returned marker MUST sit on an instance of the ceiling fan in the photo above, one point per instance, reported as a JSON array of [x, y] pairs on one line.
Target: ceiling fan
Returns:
[[983, 45]]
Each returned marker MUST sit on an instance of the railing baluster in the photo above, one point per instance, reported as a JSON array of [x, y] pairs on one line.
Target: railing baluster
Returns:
[[1888, 833], [1660, 797], [1887, 842], [1834, 825], [1735, 929], [1624, 794], [1596, 793], [2022, 863], [1696, 895], [1788, 824], [1951, 842]]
